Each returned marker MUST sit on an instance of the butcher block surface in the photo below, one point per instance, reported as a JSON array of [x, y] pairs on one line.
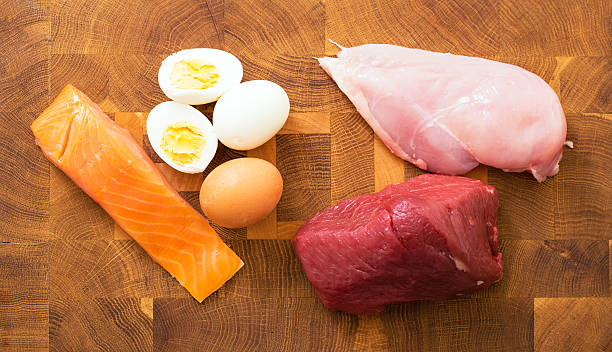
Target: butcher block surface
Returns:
[[70, 279]]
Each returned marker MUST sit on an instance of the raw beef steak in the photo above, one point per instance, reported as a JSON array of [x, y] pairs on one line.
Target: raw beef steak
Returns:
[[432, 237]]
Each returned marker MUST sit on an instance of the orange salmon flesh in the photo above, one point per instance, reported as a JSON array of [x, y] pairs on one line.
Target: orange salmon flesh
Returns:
[[112, 168]]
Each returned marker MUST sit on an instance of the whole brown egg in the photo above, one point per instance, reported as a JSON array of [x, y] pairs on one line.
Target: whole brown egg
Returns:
[[241, 192]]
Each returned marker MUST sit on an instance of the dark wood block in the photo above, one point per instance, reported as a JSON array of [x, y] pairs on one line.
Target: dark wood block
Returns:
[[246, 324], [87, 323], [107, 269], [24, 297], [304, 161], [573, 324]]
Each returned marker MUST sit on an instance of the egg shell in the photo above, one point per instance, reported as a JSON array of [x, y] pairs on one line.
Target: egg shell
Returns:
[[251, 113], [169, 112], [241, 192], [228, 66]]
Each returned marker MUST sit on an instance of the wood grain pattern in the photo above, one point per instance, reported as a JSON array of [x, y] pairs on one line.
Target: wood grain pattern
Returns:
[[133, 81], [278, 43], [72, 280], [24, 195], [593, 96], [287, 229], [87, 72], [584, 207], [106, 269], [563, 268], [273, 272], [352, 157], [555, 28], [24, 67], [467, 27], [388, 168], [588, 319], [24, 297], [304, 161], [75, 216], [77, 27], [306, 123], [526, 208], [241, 324], [461, 325], [119, 324]]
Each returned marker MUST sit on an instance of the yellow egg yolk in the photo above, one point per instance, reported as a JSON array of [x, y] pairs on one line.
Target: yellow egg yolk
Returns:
[[183, 142], [193, 74]]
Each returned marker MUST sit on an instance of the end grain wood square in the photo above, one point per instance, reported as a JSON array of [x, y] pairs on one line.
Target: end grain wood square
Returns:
[[526, 208], [573, 324], [388, 168], [555, 28], [352, 156], [266, 28], [135, 122], [87, 72], [586, 84], [584, 207], [557, 268], [133, 83], [273, 270], [24, 297], [460, 325], [137, 26], [91, 324], [106, 269], [24, 65], [463, 27], [24, 194], [223, 154], [245, 324], [304, 161], [308, 86], [74, 214]]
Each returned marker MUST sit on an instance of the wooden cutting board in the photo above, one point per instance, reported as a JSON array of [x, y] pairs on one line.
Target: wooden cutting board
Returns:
[[71, 280]]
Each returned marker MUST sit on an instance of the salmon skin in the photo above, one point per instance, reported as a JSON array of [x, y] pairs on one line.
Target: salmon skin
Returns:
[[112, 168]]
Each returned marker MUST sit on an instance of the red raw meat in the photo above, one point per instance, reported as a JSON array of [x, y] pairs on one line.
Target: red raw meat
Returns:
[[432, 237]]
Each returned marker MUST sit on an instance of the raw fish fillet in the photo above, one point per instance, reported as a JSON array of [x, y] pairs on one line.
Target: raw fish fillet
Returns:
[[448, 113], [104, 160]]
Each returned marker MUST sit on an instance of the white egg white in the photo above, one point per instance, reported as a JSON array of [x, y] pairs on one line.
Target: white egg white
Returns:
[[228, 66], [170, 112], [251, 113]]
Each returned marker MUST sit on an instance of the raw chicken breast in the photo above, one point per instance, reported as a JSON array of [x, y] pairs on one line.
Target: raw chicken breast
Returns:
[[447, 113]]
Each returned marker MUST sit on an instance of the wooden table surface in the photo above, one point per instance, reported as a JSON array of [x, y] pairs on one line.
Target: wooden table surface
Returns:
[[71, 280]]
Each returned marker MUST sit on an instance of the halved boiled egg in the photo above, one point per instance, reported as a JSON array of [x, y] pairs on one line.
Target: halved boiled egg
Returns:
[[199, 76], [182, 136]]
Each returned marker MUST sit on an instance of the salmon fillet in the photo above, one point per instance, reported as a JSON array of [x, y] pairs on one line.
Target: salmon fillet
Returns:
[[111, 167]]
